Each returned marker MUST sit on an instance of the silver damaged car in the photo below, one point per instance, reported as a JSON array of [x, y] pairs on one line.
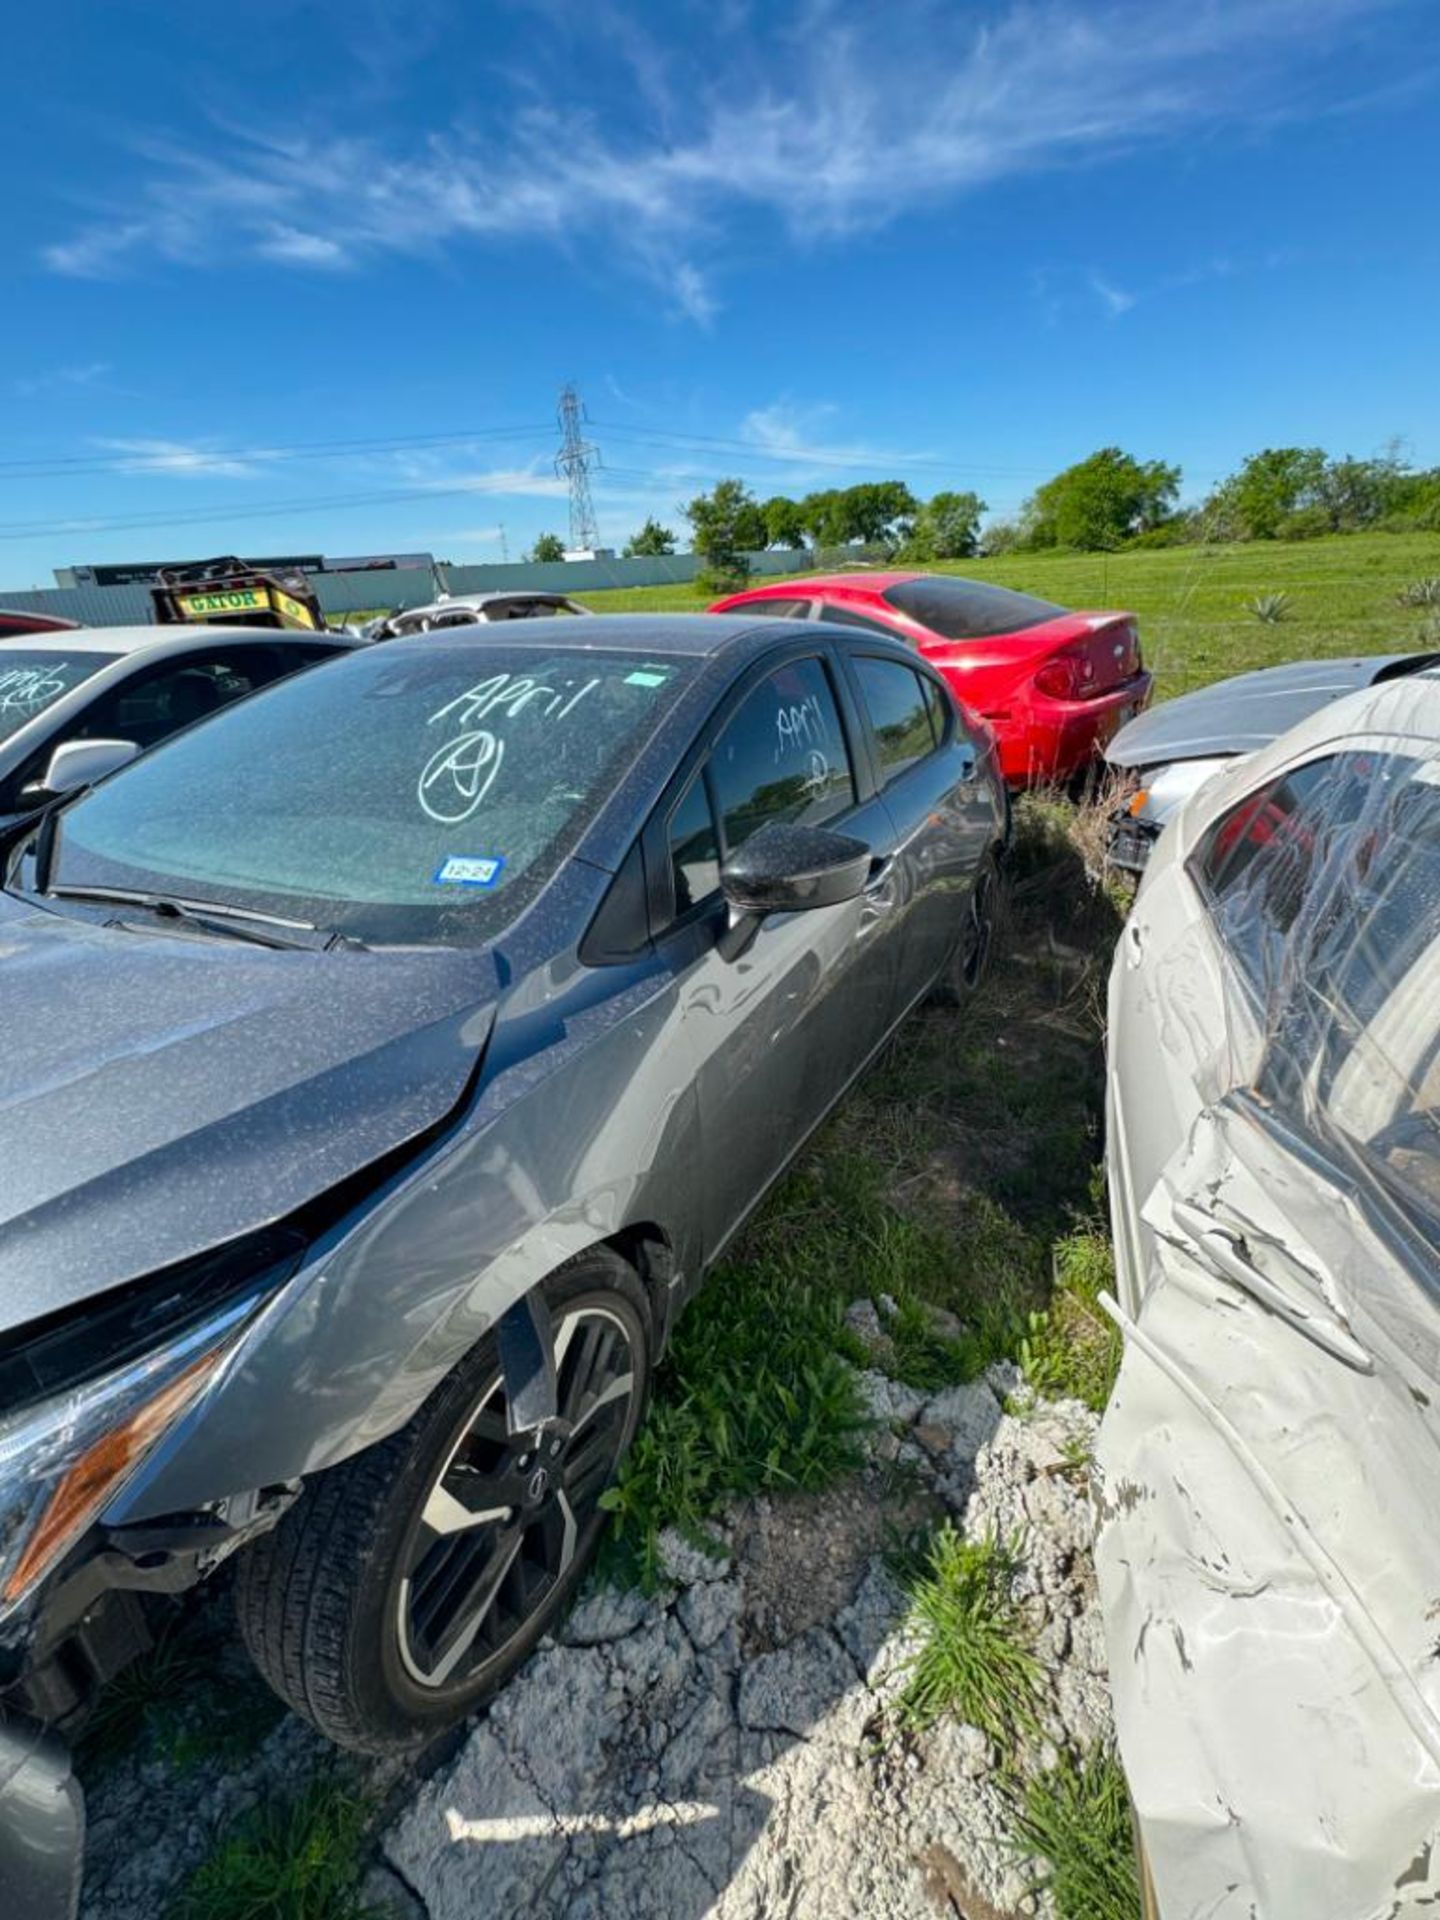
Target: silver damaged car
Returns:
[[387, 1058]]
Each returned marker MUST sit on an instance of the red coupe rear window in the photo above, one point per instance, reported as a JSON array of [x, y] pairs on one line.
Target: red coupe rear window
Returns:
[[968, 609]]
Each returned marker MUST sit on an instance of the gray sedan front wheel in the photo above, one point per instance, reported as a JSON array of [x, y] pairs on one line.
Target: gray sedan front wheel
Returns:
[[406, 1585]]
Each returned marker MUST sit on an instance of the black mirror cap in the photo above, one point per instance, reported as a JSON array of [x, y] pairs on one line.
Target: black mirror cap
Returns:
[[788, 869]]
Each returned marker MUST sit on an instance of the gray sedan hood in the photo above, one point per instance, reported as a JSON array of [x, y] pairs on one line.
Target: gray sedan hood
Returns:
[[1250, 710], [160, 1095]]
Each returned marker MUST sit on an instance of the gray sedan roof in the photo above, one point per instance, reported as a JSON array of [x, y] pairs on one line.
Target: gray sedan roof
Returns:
[[698, 635]]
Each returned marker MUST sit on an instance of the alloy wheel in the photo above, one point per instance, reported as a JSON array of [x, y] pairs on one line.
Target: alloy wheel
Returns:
[[501, 1523]]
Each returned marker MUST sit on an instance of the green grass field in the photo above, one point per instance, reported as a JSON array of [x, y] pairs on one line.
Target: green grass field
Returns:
[[1191, 600]]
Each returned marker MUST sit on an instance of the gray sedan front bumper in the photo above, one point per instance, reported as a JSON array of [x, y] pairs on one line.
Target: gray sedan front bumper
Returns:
[[42, 1825]]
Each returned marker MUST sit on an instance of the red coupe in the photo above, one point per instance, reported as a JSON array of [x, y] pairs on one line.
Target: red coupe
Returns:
[[1053, 685]]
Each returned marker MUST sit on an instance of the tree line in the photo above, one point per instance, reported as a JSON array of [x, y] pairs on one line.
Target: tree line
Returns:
[[1108, 501]]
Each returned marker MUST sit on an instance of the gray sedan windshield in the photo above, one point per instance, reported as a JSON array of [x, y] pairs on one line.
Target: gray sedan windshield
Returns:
[[400, 795], [33, 679]]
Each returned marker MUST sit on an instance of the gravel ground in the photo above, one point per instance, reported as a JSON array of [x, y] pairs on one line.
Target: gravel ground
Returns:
[[723, 1748]]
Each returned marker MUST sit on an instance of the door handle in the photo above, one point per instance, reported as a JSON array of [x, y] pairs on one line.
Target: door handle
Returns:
[[1225, 1253]]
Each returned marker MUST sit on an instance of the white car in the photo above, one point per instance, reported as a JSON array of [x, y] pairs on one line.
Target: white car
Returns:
[[1269, 1466], [472, 609]]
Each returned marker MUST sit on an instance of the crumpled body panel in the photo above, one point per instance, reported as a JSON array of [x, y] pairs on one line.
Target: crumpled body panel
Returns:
[[1270, 1567]]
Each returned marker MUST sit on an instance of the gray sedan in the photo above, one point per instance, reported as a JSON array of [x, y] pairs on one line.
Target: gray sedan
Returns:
[[389, 1058], [78, 702]]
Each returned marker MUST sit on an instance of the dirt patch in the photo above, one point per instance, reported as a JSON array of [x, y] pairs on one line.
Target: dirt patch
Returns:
[[948, 1886], [803, 1554]]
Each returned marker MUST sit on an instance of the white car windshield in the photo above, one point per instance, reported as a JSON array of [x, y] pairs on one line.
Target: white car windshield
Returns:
[[32, 679]]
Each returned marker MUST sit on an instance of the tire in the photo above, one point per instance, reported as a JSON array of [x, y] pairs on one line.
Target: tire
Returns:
[[984, 917], [354, 1608]]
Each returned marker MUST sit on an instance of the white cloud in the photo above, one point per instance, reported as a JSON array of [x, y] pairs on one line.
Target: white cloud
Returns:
[[1114, 299], [692, 293], [295, 248], [868, 119], [519, 482], [796, 433], [175, 457], [83, 375]]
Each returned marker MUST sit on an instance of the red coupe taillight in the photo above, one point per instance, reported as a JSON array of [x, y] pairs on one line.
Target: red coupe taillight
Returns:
[[1060, 678]]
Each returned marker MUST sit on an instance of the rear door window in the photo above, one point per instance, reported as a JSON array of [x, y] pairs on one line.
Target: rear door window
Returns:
[[895, 699], [940, 708]]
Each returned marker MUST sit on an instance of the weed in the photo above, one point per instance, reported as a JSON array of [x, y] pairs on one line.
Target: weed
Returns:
[[148, 1696], [754, 1397], [1420, 593], [925, 1358], [300, 1861], [1072, 1349], [169, 1698], [1269, 607], [972, 1658], [226, 1724], [1076, 1819]]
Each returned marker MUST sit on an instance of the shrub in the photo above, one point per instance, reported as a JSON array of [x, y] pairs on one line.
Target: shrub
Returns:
[[712, 582], [1177, 531], [1001, 536], [1305, 523]]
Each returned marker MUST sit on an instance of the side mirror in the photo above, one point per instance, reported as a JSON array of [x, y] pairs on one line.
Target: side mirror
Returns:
[[79, 763], [788, 869]]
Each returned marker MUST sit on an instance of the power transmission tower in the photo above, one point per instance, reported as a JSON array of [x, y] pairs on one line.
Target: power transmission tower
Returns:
[[573, 463]]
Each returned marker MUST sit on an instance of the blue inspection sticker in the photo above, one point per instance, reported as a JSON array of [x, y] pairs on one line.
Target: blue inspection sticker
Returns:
[[469, 870]]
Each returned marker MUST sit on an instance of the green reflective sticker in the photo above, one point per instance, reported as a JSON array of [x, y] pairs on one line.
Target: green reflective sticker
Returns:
[[640, 679]]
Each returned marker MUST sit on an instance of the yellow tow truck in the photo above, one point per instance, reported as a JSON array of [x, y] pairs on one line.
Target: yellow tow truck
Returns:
[[228, 593]]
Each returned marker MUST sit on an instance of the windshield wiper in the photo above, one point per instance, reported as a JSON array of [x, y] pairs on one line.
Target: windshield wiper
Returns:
[[214, 917]]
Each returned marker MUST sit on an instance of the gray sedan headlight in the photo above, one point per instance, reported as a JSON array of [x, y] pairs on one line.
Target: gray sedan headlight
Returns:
[[66, 1456]]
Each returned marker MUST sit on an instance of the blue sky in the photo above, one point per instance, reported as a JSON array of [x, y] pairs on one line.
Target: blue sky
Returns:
[[959, 243]]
